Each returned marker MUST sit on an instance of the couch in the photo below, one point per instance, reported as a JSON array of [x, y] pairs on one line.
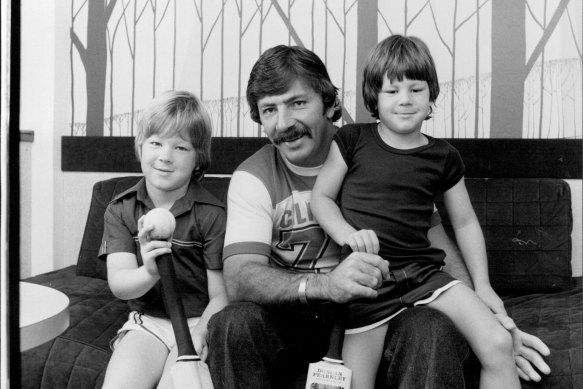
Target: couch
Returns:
[[527, 225]]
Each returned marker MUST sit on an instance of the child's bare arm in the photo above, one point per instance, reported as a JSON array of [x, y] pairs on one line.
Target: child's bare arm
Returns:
[[217, 301], [125, 278], [324, 194], [471, 243], [454, 264]]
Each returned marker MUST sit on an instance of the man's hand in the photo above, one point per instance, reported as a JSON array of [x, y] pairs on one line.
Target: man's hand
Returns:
[[357, 276], [363, 241], [528, 351]]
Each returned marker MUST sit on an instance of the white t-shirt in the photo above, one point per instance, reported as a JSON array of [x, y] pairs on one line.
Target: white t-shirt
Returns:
[[269, 214]]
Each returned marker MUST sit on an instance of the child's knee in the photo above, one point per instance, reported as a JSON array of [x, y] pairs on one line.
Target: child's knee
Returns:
[[497, 347]]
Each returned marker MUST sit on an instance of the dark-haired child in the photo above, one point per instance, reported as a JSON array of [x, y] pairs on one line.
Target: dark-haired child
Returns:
[[385, 177]]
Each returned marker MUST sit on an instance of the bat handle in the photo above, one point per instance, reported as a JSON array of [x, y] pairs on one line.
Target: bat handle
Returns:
[[336, 340], [174, 305]]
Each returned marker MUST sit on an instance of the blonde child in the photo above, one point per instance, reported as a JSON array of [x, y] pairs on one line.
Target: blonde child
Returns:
[[173, 146], [376, 194]]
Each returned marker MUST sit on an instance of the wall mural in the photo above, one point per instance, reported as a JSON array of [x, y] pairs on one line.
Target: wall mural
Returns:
[[507, 68]]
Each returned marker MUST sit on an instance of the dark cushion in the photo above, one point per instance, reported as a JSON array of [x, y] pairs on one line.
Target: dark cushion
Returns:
[[78, 357], [103, 192], [557, 319], [527, 225]]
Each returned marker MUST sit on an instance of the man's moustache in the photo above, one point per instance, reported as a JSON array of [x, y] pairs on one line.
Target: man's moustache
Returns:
[[292, 133]]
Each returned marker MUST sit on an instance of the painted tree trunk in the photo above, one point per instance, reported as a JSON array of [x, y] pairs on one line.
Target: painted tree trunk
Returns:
[[96, 66], [508, 67]]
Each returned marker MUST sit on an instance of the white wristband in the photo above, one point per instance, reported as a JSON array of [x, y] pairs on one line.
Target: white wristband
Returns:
[[302, 290]]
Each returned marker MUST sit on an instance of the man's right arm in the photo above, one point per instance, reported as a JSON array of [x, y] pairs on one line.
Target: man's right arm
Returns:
[[249, 277], [247, 271]]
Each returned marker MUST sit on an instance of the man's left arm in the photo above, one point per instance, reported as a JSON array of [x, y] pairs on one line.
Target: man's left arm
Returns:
[[528, 349]]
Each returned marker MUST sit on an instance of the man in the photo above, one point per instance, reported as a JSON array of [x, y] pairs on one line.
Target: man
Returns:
[[282, 272]]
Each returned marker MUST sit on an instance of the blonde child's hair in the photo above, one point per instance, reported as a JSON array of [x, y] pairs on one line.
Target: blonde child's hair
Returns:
[[178, 112]]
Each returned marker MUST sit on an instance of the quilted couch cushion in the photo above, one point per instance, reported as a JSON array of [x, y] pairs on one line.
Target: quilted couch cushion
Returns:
[[557, 319], [527, 225], [103, 191], [78, 357]]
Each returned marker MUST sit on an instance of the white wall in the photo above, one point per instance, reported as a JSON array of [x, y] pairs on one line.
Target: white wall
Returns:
[[44, 110], [25, 208]]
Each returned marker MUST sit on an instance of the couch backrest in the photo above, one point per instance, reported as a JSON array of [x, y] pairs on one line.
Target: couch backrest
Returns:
[[527, 226], [103, 192]]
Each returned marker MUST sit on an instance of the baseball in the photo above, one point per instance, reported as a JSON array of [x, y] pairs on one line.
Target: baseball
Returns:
[[163, 222]]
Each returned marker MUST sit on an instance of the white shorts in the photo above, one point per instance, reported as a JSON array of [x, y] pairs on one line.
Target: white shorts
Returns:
[[158, 327]]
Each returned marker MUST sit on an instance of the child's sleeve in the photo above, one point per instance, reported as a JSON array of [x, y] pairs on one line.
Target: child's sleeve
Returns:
[[454, 169], [213, 228], [346, 138], [117, 237]]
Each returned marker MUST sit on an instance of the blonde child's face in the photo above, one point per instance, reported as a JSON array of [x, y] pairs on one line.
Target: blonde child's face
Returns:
[[167, 164], [403, 105]]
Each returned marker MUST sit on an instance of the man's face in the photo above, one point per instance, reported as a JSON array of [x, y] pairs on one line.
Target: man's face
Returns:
[[297, 123]]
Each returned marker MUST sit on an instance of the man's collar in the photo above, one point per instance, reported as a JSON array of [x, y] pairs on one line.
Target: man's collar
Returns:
[[300, 170]]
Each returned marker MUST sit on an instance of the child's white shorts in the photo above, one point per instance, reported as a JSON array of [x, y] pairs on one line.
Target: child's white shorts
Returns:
[[158, 327]]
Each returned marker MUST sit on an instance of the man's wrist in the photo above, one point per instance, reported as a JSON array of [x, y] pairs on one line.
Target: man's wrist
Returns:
[[302, 288], [313, 289]]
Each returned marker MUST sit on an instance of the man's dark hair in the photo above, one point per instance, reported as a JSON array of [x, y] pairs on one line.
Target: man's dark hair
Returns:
[[278, 67]]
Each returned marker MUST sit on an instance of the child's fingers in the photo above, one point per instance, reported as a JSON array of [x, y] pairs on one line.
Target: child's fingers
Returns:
[[375, 246], [356, 244], [200, 346], [144, 231], [506, 321], [364, 241]]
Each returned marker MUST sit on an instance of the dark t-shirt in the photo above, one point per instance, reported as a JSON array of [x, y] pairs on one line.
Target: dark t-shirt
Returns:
[[393, 191]]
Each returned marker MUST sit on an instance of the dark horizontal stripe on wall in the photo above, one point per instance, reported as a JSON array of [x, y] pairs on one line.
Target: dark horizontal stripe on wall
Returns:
[[484, 158], [116, 154]]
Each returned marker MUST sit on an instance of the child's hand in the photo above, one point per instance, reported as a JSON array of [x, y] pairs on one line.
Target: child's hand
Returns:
[[363, 241], [199, 340], [151, 249], [491, 299]]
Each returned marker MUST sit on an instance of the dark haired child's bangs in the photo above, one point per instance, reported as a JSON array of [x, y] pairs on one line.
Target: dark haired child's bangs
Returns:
[[405, 63]]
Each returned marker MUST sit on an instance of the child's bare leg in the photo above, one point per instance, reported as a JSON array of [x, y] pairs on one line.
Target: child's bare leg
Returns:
[[362, 354], [137, 362], [491, 342]]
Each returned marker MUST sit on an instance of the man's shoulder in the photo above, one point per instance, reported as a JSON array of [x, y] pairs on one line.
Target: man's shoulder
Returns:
[[260, 163]]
